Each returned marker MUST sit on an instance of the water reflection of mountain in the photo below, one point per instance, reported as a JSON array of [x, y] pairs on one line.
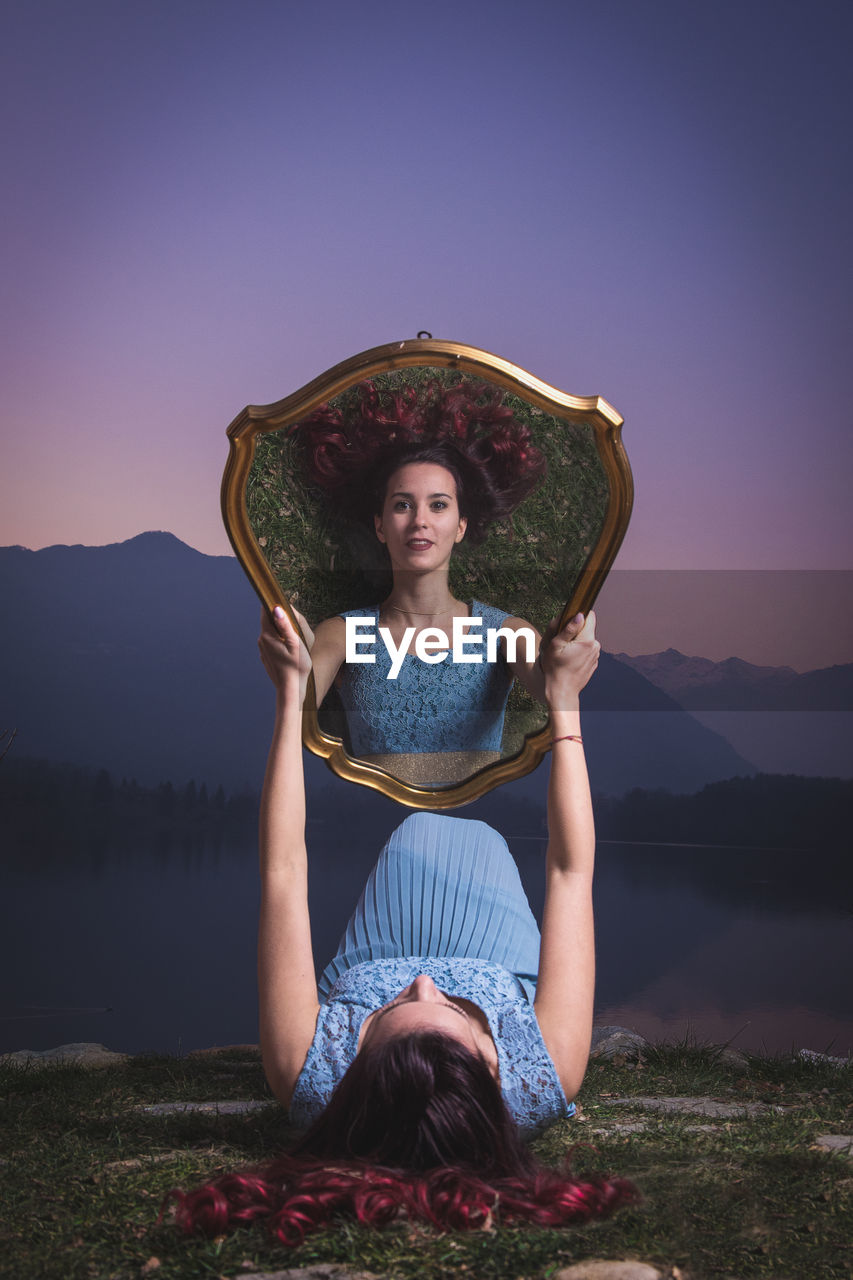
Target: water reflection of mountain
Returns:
[[682, 931], [780, 880], [782, 720]]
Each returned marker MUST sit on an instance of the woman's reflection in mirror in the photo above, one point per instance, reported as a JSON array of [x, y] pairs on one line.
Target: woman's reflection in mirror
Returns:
[[425, 468]]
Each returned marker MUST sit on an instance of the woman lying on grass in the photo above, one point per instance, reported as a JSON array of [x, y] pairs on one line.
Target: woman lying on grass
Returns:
[[445, 1031]]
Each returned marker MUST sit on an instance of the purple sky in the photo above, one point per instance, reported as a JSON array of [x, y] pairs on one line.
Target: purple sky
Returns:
[[210, 203]]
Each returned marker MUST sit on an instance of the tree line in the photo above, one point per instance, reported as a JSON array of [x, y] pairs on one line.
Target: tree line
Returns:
[[768, 810], [65, 804]]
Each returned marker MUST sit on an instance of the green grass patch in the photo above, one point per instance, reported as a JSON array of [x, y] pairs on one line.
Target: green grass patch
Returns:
[[83, 1171]]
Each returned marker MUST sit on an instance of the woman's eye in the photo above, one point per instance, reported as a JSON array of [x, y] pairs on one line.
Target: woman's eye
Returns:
[[439, 506]]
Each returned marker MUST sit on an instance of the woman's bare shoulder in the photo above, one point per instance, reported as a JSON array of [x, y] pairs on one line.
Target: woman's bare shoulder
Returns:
[[517, 624], [331, 629], [331, 626]]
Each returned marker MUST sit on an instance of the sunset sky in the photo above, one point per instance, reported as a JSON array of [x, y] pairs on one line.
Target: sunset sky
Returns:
[[210, 203]]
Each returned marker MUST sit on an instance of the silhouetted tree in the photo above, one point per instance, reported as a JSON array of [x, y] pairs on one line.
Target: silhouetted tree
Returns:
[[102, 788]]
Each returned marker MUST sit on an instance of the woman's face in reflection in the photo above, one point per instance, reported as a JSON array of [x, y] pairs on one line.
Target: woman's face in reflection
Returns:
[[420, 521]]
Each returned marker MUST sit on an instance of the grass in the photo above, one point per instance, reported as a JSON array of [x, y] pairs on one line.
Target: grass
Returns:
[[83, 1173]]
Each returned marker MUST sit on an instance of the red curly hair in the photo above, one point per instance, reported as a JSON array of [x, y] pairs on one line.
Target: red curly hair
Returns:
[[417, 1128], [350, 456]]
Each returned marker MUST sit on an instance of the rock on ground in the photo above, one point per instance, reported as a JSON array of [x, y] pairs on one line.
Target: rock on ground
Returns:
[[809, 1055], [842, 1142], [84, 1054], [735, 1058], [604, 1269], [319, 1271], [607, 1042], [631, 1126]]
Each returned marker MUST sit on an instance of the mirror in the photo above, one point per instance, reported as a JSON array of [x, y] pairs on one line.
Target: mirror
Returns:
[[524, 498]]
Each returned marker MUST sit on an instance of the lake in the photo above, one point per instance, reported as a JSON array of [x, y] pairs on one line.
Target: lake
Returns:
[[156, 951]]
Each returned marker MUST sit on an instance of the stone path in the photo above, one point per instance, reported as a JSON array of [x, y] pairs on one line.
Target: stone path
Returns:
[[700, 1107], [229, 1107], [598, 1269]]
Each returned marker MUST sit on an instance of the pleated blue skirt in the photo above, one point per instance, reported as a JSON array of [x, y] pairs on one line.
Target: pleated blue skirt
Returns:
[[442, 887]]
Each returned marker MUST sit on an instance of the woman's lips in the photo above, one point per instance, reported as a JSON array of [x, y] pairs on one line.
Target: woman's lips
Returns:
[[419, 544]]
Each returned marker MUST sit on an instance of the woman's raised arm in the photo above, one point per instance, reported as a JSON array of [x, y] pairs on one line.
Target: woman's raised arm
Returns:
[[287, 989], [565, 987]]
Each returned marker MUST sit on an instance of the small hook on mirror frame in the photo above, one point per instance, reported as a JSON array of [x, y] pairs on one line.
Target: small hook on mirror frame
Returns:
[[423, 333]]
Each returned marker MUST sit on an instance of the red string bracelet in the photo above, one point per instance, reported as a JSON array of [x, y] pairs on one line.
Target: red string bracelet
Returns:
[[568, 737]]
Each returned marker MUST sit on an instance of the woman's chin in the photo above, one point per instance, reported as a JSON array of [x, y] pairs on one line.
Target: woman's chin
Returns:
[[419, 561]]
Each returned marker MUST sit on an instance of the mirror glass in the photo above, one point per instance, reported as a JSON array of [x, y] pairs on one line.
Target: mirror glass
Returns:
[[324, 499]]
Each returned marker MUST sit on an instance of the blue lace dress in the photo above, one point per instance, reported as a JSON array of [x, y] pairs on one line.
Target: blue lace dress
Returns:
[[444, 706], [444, 899]]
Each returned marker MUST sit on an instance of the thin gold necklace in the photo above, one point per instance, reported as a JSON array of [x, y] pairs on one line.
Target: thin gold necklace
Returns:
[[411, 614]]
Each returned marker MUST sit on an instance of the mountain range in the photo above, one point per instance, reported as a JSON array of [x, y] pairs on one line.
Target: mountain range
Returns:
[[140, 657], [697, 684], [782, 720]]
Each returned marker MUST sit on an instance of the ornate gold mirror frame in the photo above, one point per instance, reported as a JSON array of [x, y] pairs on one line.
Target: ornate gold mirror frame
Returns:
[[556, 549]]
